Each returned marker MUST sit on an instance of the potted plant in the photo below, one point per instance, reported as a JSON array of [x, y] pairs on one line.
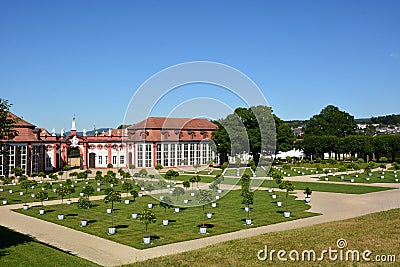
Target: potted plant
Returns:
[[308, 193], [112, 196], [288, 186], [62, 191], [71, 190], [247, 200], [166, 204], [203, 198], [84, 203], [42, 196], [134, 194], [26, 185], [186, 185], [147, 217], [126, 187]]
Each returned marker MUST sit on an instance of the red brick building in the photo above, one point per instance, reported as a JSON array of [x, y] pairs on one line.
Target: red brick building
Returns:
[[170, 142]]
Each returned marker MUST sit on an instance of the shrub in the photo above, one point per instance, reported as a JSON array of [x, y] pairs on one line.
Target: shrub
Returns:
[[110, 166], [360, 161]]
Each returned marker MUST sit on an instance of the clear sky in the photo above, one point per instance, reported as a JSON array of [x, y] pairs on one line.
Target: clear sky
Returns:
[[59, 58]]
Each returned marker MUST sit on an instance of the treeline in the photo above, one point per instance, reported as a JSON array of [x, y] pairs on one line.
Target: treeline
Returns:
[[366, 147]]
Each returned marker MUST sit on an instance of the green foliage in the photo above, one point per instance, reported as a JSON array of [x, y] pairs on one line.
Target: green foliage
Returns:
[[84, 203], [186, 184], [360, 161], [110, 166], [177, 192], [88, 190], [383, 159], [331, 122], [26, 185], [307, 191], [147, 217], [18, 171], [42, 196], [7, 131], [127, 186]]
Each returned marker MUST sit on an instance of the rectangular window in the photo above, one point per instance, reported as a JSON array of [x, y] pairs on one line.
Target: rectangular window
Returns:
[[48, 163], [166, 154], [172, 157], [198, 154], [11, 158], [22, 157], [139, 155], [106, 159], [35, 159], [148, 155], [114, 160], [185, 154], [192, 155], [122, 160], [158, 154], [1, 164], [100, 160], [204, 154], [179, 154]]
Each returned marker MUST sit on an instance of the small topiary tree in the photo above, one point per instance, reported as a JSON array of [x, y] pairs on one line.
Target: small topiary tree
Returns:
[[88, 191], [204, 197], [112, 196], [126, 187], [178, 191], [84, 203], [166, 203], [147, 217], [42, 196]]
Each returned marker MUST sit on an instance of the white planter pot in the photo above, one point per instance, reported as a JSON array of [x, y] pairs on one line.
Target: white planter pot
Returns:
[[209, 215], [279, 203], [342, 177], [21, 193], [60, 185], [213, 204], [54, 190], [185, 201], [356, 175], [76, 182], [86, 182], [170, 192], [246, 209], [127, 201], [351, 180], [140, 194], [326, 179], [109, 211], [142, 188], [81, 194], [367, 178], [382, 176], [176, 210], [4, 202], [146, 240], [273, 196], [33, 195], [84, 223], [286, 214], [203, 230], [111, 230], [192, 194], [69, 202], [41, 211], [149, 205], [43, 188], [10, 191], [168, 185], [308, 199], [370, 174], [269, 190], [98, 189], [98, 184], [165, 222], [60, 217], [25, 207], [396, 180], [161, 197], [134, 215], [216, 197], [72, 185], [219, 191], [111, 185], [248, 221], [197, 189]]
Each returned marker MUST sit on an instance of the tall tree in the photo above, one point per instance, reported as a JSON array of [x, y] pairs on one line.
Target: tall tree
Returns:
[[6, 125], [331, 121]]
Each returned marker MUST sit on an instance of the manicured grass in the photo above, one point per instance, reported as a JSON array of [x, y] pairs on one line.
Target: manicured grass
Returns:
[[377, 232], [20, 250], [228, 216], [329, 187], [389, 177], [297, 171]]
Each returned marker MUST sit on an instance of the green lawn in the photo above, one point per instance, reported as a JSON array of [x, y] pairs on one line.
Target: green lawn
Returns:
[[329, 187], [228, 216], [376, 177], [377, 232], [20, 250]]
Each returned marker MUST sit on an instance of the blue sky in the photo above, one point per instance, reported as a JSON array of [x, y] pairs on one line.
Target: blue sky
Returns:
[[59, 58]]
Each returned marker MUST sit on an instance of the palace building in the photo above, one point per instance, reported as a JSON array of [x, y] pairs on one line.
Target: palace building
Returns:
[[171, 142]]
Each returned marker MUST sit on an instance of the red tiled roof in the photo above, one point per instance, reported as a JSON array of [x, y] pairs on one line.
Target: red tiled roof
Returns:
[[174, 123], [21, 123]]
